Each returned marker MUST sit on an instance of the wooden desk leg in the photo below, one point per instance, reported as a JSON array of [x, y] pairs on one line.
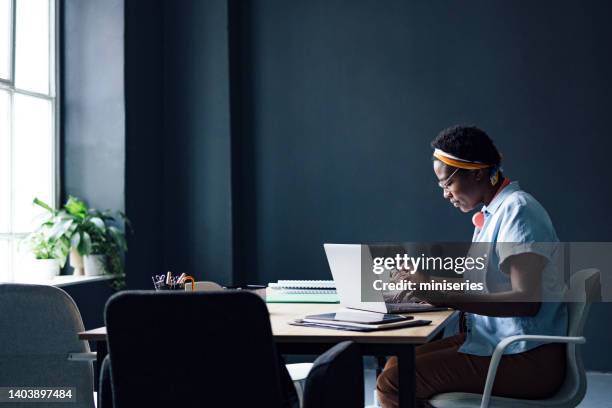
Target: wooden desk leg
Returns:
[[406, 370]]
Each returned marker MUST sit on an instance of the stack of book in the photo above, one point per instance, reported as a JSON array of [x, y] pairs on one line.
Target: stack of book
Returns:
[[302, 291]]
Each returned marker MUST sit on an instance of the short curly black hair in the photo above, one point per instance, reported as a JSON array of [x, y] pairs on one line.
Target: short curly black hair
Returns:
[[469, 143]]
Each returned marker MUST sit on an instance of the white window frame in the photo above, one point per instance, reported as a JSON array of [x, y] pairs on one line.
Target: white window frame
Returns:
[[53, 97]]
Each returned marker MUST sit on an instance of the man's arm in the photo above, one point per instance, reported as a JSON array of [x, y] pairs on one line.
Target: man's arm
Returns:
[[525, 272]]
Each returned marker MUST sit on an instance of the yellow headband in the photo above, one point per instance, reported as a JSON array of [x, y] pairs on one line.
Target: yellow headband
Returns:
[[454, 161]]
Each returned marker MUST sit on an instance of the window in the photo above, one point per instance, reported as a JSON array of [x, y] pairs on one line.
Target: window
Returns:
[[28, 122]]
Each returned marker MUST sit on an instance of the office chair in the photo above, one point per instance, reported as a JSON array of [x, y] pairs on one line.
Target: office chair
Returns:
[[584, 289], [200, 350], [297, 371], [39, 343]]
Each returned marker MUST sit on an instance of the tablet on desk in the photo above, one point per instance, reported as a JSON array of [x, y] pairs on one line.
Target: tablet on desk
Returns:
[[355, 316], [362, 327]]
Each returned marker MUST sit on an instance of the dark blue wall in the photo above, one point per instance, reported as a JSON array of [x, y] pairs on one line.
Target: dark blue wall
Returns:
[[197, 177], [92, 102], [144, 172], [347, 96], [178, 168], [92, 121]]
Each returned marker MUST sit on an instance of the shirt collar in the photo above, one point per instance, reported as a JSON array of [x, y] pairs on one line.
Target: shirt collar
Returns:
[[500, 197]]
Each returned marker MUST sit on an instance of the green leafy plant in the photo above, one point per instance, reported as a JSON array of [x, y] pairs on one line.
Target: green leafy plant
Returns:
[[44, 246], [89, 231]]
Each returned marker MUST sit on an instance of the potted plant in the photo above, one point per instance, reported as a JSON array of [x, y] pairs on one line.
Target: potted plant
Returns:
[[49, 249], [96, 244], [102, 244]]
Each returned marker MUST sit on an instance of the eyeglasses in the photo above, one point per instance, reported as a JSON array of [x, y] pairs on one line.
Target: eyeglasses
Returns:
[[444, 184]]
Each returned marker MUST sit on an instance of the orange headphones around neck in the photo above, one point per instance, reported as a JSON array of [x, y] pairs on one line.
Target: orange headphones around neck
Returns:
[[478, 218]]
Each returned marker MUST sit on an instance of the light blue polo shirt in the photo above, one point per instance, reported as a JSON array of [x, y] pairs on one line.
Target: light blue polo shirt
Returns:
[[514, 216]]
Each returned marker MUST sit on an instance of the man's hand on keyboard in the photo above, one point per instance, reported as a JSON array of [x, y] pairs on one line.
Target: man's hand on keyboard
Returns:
[[411, 275]]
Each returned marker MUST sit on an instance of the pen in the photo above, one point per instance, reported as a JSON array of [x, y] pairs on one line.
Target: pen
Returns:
[[168, 278]]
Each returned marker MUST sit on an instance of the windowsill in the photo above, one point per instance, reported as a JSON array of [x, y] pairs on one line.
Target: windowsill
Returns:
[[69, 280]]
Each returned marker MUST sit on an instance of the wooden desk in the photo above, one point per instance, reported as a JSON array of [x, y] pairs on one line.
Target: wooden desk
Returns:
[[314, 340]]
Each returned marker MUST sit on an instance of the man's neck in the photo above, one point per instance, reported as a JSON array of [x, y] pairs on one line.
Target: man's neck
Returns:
[[492, 191]]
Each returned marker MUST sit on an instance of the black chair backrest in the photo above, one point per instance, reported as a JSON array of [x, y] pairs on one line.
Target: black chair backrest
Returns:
[[336, 379], [191, 350]]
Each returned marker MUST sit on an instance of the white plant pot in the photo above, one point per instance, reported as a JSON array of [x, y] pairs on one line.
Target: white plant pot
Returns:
[[76, 261], [95, 265], [45, 269]]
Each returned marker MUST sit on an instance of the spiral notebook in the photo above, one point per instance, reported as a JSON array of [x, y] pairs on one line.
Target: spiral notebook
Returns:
[[303, 284]]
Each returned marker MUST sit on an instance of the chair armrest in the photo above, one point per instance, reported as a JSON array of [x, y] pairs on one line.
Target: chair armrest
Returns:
[[336, 378], [499, 351], [88, 357]]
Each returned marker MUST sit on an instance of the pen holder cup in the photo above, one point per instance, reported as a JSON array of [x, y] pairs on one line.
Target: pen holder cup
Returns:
[[188, 281], [164, 287]]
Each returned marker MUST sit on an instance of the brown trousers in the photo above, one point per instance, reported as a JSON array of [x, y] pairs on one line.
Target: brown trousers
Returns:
[[534, 374]]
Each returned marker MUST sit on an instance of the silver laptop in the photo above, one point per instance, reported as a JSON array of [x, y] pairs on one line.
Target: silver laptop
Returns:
[[345, 262]]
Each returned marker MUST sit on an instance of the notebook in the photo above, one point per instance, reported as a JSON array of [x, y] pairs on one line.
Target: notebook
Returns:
[[303, 284]]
